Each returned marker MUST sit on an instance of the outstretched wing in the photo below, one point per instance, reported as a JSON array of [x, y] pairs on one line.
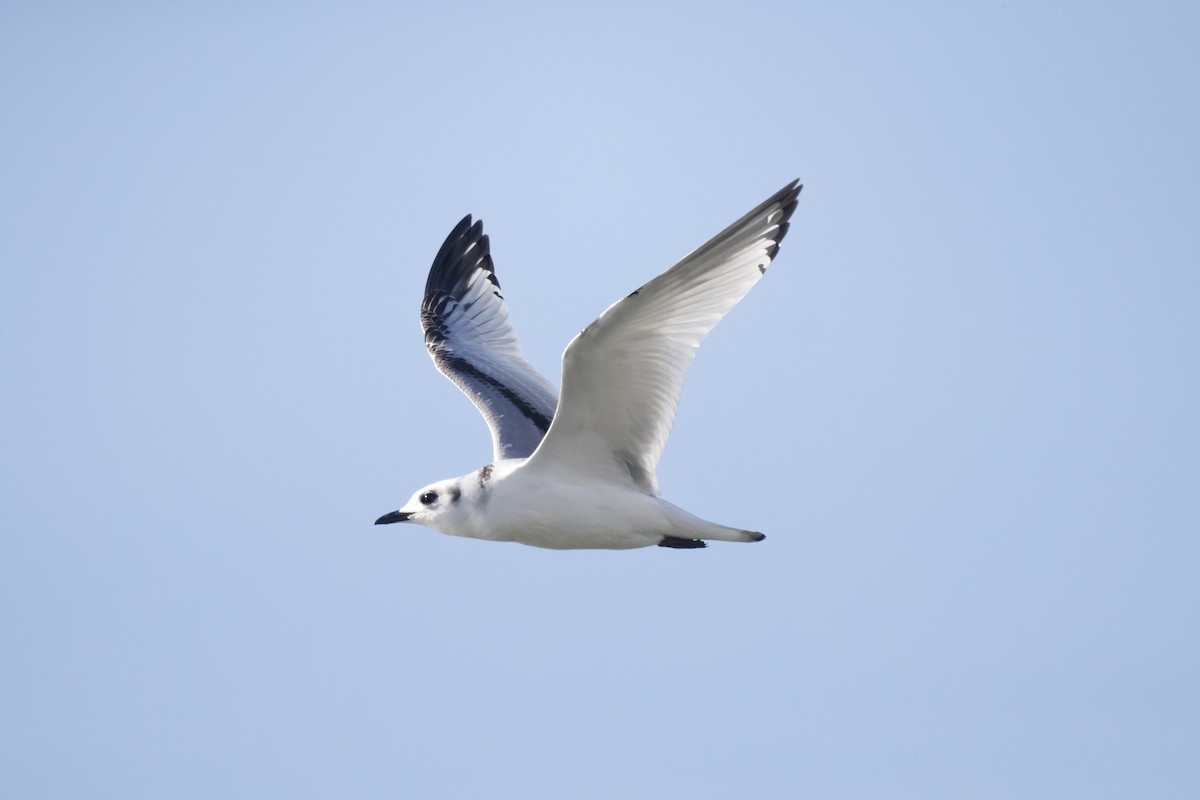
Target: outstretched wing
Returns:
[[472, 341], [622, 375]]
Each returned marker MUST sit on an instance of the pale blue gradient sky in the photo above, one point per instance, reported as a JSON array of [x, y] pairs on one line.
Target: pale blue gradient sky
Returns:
[[962, 405]]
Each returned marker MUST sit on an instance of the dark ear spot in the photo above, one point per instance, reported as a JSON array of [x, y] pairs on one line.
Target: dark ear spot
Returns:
[[454, 495]]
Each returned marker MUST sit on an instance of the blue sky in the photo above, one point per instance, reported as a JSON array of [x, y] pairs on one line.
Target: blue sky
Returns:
[[962, 405]]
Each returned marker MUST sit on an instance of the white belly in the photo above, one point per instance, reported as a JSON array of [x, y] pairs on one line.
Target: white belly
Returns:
[[565, 516]]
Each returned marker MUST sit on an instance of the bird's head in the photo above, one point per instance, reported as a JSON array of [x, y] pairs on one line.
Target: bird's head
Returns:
[[434, 506]]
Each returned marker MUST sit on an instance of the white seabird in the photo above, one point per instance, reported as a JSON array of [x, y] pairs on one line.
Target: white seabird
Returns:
[[577, 470]]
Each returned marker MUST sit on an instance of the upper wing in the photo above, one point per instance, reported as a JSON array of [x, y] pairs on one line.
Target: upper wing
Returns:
[[472, 341], [622, 375]]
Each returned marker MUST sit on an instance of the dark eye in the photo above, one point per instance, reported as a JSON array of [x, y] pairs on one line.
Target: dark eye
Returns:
[[429, 498]]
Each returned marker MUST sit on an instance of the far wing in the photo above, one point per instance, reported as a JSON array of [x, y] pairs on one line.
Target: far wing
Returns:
[[623, 374], [473, 343]]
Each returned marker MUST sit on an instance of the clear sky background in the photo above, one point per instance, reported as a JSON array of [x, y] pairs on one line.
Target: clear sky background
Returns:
[[962, 404]]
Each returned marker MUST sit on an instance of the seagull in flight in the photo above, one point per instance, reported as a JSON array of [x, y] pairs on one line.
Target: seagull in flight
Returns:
[[576, 470]]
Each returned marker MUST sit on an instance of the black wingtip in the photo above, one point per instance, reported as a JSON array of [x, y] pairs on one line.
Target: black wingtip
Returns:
[[465, 249], [452, 238], [779, 206], [787, 198]]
